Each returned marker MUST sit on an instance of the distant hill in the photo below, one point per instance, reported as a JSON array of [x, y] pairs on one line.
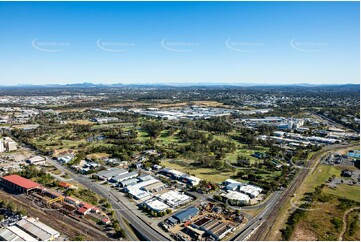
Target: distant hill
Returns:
[[199, 85]]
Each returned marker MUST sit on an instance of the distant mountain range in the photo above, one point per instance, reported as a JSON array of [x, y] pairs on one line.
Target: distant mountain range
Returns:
[[95, 85]]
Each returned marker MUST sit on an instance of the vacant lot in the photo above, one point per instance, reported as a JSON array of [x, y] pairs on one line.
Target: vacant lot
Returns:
[[208, 174]]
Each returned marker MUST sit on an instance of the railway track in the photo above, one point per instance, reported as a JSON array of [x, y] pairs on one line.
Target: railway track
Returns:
[[58, 221], [263, 230]]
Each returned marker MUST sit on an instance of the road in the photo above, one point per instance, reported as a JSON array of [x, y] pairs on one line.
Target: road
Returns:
[[121, 210], [258, 220]]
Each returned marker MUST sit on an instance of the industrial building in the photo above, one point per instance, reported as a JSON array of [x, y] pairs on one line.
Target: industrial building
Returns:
[[112, 172], [37, 160], [138, 194], [190, 180], [123, 177], [145, 177], [142, 184], [14, 233], [250, 190], [232, 185], [186, 214], [156, 205], [155, 187], [129, 182], [175, 199], [37, 229], [183, 177], [236, 197], [142, 189], [18, 183], [214, 227], [7, 144]]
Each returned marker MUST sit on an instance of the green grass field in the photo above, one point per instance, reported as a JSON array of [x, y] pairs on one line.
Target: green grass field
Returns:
[[203, 173], [322, 174], [244, 151], [351, 192]]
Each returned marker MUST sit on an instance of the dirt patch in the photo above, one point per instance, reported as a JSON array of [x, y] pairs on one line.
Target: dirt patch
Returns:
[[300, 234]]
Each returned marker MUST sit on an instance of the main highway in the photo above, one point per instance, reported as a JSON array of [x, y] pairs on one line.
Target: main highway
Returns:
[[146, 231]]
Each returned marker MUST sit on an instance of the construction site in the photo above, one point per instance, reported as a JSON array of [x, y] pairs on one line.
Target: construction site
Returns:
[[71, 217]]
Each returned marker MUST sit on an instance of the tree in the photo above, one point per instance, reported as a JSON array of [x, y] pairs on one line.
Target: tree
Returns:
[[79, 237]]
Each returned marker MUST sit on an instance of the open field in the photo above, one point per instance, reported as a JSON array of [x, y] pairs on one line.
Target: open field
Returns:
[[80, 121], [322, 222], [344, 190], [203, 173], [317, 177]]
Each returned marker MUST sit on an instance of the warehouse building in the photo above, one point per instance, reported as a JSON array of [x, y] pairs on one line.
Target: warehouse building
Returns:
[[18, 183], [139, 194], [213, 227], [37, 160], [112, 172], [177, 175], [123, 177], [175, 199], [250, 190], [145, 177], [137, 190], [155, 187], [173, 173], [186, 214], [156, 205], [13, 233], [190, 180], [129, 182], [236, 197], [37, 229], [140, 185], [231, 181]]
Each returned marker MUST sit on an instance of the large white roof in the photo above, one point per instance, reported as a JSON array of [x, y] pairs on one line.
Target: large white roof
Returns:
[[232, 195]]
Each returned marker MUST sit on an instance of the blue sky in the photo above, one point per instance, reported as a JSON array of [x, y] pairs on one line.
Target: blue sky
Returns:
[[179, 42]]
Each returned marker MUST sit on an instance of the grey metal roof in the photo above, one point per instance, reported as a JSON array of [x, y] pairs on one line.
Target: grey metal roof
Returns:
[[145, 177], [186, 214], [129, 182], [125, 176], [111, 172]]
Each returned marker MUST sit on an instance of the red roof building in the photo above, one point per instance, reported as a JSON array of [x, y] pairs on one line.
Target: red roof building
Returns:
[[83, 210], [95, 210], [105, 221], [86, 205], [18, 183]]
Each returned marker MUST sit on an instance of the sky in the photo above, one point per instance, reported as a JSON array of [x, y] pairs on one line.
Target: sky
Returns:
[[179, 42]]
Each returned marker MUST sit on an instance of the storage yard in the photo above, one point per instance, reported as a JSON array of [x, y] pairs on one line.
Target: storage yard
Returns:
[[65, 214], [203, 222]]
